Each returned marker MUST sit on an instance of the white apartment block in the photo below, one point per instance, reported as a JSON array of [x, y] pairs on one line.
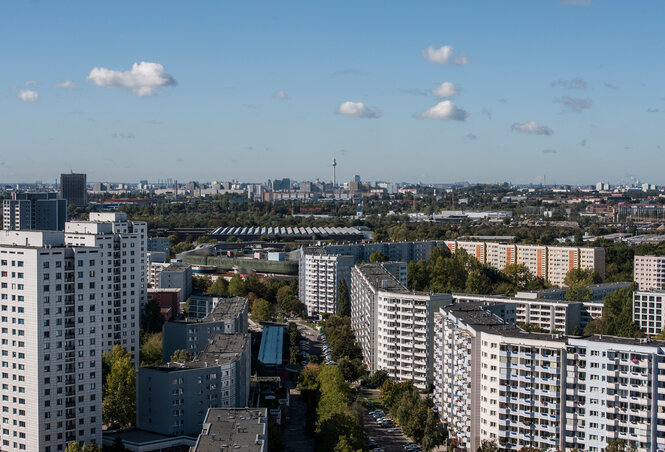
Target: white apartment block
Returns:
[[319, 275], [154, 269], [123, 244], [555, 316], [649, 272], [393, 326], [50, 329], [494, 381], [551, 263], [648, 311]]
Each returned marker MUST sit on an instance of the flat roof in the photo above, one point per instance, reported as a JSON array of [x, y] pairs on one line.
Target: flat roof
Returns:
[[272, 340], [381, 279], [227, 308], [228, 429], [222, 349]]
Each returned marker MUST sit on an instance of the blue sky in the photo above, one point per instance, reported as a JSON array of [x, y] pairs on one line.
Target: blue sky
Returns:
[[257, 90]]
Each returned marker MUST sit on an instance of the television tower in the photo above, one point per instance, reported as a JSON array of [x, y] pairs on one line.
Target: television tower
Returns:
[[334, 164]]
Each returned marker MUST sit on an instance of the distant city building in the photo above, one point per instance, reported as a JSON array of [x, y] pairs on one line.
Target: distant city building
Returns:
[[229, 316], [124, 294], [244, 428], [393, 326], [38, 211], [51, 341], [74, 188], [649, 272], [172, 399], [160, 244]]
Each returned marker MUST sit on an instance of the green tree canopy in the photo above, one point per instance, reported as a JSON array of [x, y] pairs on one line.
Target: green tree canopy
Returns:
[[582, 277], [151, 350], [119, 391], [219, 287], [237, 286], [152, 318], [378, 256], [262, 310], [343, 299], [181, 356]]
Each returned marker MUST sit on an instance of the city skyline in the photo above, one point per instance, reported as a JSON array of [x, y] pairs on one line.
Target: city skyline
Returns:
[[403, 92]]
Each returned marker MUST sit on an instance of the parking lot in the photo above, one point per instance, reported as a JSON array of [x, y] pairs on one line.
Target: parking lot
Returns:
[[388, 439]]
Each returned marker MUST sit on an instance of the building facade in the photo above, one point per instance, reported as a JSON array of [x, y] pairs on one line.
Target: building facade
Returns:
[[38, 211], [123, 266], [649, 272], [319, 275], [495, 382], [173, 399], [176, 276], [159, 244], [230, 316], [51, 342], [74, 188], [648, 311], [393, 326]]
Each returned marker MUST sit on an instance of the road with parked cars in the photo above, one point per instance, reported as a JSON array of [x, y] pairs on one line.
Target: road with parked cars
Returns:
[[384, 435]]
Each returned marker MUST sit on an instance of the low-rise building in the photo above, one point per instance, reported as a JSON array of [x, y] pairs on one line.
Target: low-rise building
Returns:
[[229, 316], [173, 398], [226, 429]]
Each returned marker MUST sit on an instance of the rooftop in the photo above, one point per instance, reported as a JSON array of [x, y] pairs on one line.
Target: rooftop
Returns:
[[227, 429], [222, 349], [381, 279], [272, 339], [177, 266], [227, 308]]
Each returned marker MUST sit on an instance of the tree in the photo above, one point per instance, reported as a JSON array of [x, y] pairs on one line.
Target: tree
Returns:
[[582, 276], [433, 435], [200, 283], [151, 350], [152, 318], [119, 391], [181, 356], [74, 446], [254, 285], [219, 287], [275, 441], [284, 294], [343, 300], [352, 369], [488, 446], [378, 256], [519, 275], [237, 286], [660, 336], [292, 306], [579, 292], [262, 310], [378, 378]]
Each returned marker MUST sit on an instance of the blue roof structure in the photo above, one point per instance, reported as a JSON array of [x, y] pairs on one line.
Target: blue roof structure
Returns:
[[270, 351]]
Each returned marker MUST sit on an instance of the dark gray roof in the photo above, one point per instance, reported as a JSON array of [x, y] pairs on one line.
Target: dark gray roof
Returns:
[[230, 429]]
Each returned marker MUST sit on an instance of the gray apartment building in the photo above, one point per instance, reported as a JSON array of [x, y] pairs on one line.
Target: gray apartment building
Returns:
[[74, 188], [177, 276], [173, 399], [228, 317], [38, 211]]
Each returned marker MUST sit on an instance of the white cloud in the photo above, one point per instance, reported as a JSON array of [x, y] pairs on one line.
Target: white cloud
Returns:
[[446, 89], [532, 127], [357, 110], [575, 104], [142, 79], [281, 94], [445, 110], [444, 55], [575, 83], [28, 95], [67, 84]]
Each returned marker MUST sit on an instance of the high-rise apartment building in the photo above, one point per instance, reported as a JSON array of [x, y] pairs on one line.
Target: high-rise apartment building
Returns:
[[649, 272], [123, 245], [38, 211], [50, 322], [495, 382], [393, 326], [319, 275], [74, 188]]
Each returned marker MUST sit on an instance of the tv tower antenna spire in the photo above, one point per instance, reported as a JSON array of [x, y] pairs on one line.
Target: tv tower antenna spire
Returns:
[[334, 165]]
